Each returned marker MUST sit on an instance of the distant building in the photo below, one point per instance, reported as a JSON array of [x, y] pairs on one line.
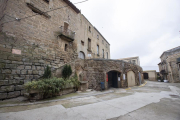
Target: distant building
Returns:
[[134, 60], [169, 67], [150, 75]]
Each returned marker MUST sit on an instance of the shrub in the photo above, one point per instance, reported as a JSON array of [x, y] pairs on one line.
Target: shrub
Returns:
[[47, 73], [52, 86], [67, 71], [49, 87]]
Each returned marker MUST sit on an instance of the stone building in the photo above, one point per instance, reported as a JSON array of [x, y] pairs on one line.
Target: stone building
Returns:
[[150, 75], [169, 65], [37, 33], [134, 60]]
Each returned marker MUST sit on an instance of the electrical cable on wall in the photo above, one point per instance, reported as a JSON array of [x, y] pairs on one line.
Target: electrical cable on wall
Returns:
[[18, 19]]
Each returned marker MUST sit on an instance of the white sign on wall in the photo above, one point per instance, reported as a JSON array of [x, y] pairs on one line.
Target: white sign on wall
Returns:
[[124, 76], [119, 79], [89, 55], [15, 51]]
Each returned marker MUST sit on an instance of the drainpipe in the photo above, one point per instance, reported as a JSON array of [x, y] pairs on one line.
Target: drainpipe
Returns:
[[139, 78]]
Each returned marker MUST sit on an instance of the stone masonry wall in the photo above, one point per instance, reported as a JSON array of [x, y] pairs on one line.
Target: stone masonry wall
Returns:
[[173, 72], [16, 70], [94, 71]]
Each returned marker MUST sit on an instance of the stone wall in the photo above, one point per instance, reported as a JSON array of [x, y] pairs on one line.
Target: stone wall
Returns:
[[17, 69], [94, 71], [173, 71]]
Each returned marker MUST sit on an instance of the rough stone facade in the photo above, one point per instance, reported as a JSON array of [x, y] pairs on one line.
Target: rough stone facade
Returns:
[[94, 71], [31, 38], [169, 66]]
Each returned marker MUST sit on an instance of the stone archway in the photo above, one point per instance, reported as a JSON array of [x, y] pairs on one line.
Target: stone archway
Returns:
[[131, 78]]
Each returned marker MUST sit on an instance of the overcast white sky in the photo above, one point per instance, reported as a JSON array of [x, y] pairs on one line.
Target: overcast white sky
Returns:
[[143, 28]]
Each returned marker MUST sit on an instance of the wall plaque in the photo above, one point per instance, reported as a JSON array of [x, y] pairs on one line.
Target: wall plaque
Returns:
[[15, 51]]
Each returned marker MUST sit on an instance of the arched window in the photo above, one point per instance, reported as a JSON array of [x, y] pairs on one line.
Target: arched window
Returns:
[[81, 55]]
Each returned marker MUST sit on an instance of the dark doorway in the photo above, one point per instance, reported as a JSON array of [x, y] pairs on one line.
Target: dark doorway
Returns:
[[113, 79], [145, 75]]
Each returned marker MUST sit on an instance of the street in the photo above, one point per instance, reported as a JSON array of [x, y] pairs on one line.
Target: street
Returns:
[[153, 100]]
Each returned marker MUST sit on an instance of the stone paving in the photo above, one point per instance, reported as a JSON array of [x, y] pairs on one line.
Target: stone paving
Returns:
[[155, 100]]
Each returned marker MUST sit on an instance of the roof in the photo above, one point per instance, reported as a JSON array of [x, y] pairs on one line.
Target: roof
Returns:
[[128, 58], [170, 50], [72, 6]]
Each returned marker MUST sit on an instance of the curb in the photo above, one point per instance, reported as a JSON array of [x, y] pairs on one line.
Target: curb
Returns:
[[34, 103], [143, 84]]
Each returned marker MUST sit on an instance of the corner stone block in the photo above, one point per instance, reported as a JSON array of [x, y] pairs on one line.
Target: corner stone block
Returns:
[[19, 87], [6, 71], [23, 72], [7, 88], [35, 72], [13, 94], [4, 82], [3, 96], [14, 72], [28, 67], [21, 67]]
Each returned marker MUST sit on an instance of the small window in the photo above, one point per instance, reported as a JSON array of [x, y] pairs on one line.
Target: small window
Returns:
[[82, 43], [65, 48], [47, 1], [98, 49], [102, 41], [133, 61], [103, 52], [97, 36], [89, 44], [107, 55], [89, 28], [106, 45]]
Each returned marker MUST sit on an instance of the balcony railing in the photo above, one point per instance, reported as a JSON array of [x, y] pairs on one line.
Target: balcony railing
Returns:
[[67, 34]]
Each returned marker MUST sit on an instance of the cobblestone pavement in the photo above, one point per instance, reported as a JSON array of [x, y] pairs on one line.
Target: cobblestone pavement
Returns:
[[154, 100]]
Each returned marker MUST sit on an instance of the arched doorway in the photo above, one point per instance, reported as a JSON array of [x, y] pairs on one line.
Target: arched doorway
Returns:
[[131, 78], [146, 76], [81, 55], [113, 78]]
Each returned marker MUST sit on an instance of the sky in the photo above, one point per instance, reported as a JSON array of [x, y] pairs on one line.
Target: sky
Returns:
[[144, 28]]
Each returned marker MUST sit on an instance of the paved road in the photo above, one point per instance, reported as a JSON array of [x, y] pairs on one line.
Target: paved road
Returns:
[[155, 101]]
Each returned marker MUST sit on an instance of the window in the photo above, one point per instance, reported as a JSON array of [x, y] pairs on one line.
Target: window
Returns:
[[107, 55], [82, 43], [89, 28], [65, 48], [98, 49], [103, 52], [97, 36], [102, 41], [66, 25], [106, 45], [89, 44], [134, 61]]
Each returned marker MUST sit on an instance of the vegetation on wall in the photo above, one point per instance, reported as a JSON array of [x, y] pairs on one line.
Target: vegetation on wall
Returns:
[[47, 73], [66, 72]]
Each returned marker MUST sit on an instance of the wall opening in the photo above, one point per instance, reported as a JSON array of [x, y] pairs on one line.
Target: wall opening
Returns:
[[113, 79], [146, 76], [81, 55]]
